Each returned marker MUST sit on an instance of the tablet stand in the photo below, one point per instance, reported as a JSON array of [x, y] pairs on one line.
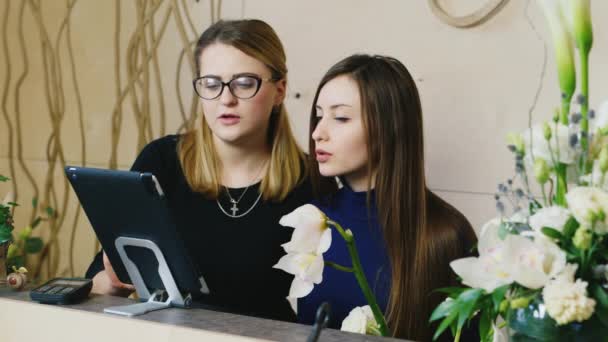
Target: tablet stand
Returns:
[[153, 301]]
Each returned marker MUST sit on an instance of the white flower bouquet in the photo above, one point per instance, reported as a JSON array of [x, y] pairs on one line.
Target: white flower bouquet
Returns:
[[542, 269]]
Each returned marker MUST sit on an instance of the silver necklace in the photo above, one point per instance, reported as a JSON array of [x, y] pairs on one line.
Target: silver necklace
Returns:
[[234, 209], [234, 202]]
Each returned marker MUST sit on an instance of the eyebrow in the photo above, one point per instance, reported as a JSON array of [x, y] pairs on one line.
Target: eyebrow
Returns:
[[334, 106], [234, 75]]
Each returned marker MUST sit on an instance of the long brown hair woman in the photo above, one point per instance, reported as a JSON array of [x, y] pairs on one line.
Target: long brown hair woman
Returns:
[[366, 129]]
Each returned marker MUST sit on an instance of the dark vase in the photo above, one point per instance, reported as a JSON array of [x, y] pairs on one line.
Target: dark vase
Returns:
[[533, 324]]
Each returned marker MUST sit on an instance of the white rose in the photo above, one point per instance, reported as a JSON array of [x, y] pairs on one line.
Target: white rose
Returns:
[[554, 217], [566, 300], [360, 320], [587, 205]]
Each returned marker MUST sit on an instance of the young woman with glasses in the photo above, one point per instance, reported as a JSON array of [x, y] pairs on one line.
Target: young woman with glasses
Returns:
[[230, 179]]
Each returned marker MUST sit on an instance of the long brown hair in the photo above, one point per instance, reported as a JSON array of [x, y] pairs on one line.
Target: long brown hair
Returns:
[[422, 232], [196, 150]]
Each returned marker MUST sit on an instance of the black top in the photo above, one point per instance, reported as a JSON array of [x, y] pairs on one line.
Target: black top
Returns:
[[235, 255]]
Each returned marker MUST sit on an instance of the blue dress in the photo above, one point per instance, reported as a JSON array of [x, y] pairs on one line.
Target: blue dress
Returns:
[[340, 289]]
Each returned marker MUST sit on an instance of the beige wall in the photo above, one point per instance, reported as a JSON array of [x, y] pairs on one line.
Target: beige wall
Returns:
[[476, 85]]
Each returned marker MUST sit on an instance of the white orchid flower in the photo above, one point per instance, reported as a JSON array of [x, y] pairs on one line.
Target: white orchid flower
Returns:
[[534, 262], [307, 270], [529, 262], [310, 239], [491, 269], [311, 233]]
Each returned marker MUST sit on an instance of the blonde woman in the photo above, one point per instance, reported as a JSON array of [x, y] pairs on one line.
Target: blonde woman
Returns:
[[230, 179]]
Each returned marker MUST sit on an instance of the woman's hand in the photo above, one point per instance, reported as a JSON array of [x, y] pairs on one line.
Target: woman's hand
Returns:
[[107, 282]]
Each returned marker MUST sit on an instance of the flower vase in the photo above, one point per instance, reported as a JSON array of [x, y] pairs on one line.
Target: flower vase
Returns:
[[533, 324]]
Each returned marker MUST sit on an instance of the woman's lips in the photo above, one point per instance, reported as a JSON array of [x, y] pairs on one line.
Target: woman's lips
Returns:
[[229, 119], [322, 156]]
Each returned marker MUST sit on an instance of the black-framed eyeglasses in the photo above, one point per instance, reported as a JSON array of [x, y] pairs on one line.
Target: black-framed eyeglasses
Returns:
[[243, 87]]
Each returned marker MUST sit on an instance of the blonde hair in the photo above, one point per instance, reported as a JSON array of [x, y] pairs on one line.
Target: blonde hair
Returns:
[[197, 154]]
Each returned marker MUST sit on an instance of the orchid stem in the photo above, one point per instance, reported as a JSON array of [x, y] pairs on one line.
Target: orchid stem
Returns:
[[348, 237], [339, 267]]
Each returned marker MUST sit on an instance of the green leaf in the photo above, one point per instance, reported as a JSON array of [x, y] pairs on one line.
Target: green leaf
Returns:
[[600, 295], [602, 315], [33, 245], [570, 227], [35, 202], [5, 234], [3, 179], [485, 325], [445, 323], [36, 222], [498, 295], [466, 304], [442, 310], [552, 233], [453, 291], [453, 329], [13, 204], [49, 211]]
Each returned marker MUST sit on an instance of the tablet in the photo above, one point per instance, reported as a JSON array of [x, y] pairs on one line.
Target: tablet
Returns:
[[132, 204]]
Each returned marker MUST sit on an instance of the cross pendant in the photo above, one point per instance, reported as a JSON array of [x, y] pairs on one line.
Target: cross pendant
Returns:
[[234, 209]]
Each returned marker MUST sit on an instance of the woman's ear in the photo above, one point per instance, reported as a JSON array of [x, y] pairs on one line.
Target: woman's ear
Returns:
[[281, 91]]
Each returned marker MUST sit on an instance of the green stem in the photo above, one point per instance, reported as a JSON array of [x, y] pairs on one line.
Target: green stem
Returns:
[[338, 228], [339, 267], [565, 110], [360, 276], [561, 187], [542, 187], [457, 337], [556, 141]]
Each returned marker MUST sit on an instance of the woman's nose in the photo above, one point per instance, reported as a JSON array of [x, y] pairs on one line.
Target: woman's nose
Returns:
[[319, 132], [226, 97]]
